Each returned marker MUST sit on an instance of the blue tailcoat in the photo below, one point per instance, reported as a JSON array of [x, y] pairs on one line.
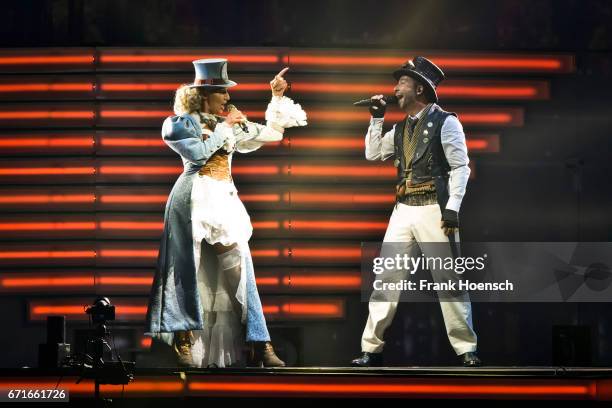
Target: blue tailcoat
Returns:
[[174, 303]]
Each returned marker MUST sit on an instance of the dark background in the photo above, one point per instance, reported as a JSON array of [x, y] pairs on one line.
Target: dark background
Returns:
[[550, 182]]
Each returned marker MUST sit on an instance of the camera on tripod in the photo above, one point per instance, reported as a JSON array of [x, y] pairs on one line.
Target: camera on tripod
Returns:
[[101, 311]]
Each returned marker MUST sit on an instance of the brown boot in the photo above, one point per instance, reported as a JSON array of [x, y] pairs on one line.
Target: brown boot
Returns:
[[183, 340], [262, 354]]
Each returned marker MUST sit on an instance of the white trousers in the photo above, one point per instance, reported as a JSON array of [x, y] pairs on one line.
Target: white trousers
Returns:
[[411, 225]]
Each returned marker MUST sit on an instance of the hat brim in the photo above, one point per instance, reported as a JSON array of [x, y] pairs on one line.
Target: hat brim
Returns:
[[430, 90], [227, 84]]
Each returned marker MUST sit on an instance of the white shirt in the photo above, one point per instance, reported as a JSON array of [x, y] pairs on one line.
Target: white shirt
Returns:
[[380, 147]]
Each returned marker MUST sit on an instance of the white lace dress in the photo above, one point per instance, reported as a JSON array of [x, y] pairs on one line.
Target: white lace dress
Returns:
[[218, 216]]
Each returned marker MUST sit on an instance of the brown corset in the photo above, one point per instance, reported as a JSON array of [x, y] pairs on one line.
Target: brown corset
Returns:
[[217, 167]]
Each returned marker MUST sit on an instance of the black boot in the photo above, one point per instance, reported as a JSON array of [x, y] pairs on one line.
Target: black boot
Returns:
[[368, 360], [470, 359]]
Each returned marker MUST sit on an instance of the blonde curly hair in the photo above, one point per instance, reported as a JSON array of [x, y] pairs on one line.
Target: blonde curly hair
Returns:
[[188, 99]]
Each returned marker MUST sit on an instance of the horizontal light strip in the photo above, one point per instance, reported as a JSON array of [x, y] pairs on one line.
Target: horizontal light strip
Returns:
[[518, 91], [4, 115], [353, 253], [279, 385], [42, 87], [350, 171], [109, 141], [319, 309], [322, 281], [42, 280], [137, 310], [170, 58], [133, 199], [439, 388], [46, 254], [334, 225], [110, 253], [166, 87], [43, 60], [525, 64], [299, 197], [46, 142], [48, 199], [46, 171], [290, 224]]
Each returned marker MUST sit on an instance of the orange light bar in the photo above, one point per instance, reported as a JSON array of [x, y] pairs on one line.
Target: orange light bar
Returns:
[[39, 60], [267, 281], [67, 87], [48, 199], [44, 310], [122, 87], [125, 280], [346, 171], [140, 169], [355, 115], [335, 225], [49, 226], [444, 389], [46, 254], [265, 253], [324, 143], [319, 309], [335, 252], [133, 199], [130, 114], [445, 90], [331, 281], [255, 170], [340, 198], [488, 91], [164, 87], [47, 142], [268, 198], [131, 225], [127, 142], [45, 171], [271, 309], [146, 342], [265, 224], [128, 253], [46, 282], [550, 63], [162, 58], [47, 115]]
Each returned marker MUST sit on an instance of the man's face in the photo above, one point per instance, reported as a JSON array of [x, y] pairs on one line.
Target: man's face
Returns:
[[406, 91], [216, 101]]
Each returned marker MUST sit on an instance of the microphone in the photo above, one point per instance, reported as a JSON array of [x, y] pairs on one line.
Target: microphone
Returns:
[[229, 107], [369, 102]]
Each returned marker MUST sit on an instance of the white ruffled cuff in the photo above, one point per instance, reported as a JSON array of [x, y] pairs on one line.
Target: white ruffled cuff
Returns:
[[283, 112]]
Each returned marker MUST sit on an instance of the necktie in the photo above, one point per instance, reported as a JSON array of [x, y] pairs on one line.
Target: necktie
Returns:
[[409, 142]]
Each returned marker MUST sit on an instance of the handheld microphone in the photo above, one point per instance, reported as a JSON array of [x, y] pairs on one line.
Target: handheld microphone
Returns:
[[369, 102], [229, 107]]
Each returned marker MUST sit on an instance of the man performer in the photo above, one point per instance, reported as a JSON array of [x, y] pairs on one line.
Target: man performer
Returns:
[[431, 158]]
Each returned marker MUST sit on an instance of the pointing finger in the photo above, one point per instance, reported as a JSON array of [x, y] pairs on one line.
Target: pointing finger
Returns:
[[280, 74]]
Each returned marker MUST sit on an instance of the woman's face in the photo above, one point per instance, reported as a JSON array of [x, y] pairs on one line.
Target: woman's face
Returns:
[[214, 101]]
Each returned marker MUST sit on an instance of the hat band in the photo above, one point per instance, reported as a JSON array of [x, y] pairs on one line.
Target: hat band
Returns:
[[210, 81]]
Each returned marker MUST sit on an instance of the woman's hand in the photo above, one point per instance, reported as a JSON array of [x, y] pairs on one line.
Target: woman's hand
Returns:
[[234, 116], [278, 84]]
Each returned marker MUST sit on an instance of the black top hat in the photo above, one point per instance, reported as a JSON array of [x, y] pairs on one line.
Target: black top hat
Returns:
[[211, 73], [424, 71]]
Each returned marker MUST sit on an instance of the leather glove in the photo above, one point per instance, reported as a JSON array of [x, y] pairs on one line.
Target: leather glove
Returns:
[[450, 221], [377, 109]]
